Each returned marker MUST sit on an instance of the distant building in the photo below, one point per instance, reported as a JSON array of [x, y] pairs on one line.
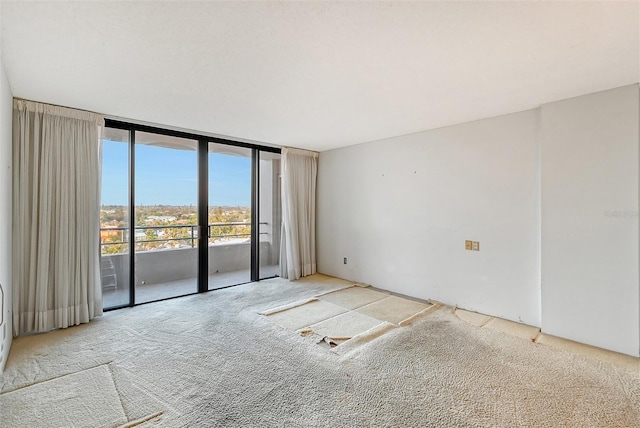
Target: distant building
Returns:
[[152, 218]]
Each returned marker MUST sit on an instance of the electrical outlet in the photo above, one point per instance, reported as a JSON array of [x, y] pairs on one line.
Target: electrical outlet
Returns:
[[475, 246], [345, 261], [468, 245]]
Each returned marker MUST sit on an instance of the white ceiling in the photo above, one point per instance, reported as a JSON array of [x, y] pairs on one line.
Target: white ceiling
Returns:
[[316, 75]]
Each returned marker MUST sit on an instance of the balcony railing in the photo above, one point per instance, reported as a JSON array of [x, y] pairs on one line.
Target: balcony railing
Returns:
[[187, 233]]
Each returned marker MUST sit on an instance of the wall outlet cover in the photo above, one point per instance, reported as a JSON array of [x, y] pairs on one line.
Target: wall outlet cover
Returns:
[[468, 245]]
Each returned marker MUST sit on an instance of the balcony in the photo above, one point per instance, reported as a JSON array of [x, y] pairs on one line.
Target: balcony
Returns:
[[167, 260]]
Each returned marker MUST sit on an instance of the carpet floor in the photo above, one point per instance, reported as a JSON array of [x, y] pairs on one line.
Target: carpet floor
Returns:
[[344, 314], [212, 360]]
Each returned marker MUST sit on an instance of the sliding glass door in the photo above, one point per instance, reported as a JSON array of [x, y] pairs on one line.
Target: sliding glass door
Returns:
[[166, 216], [182, 214], [114, 219], [229, 251], [270, 214]]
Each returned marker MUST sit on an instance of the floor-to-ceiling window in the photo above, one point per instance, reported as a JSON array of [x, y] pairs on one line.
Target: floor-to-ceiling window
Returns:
[[270, 214], [183, 213], [229, 214], [166, 216], [114, 218]]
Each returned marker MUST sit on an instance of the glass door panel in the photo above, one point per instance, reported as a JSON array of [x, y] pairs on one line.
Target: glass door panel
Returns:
[[114, 218], [166, 216], [270, 215], [229, 249]]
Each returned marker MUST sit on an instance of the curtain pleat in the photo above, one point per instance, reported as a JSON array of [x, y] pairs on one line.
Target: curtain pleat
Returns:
[[298, 243], [56, 212]]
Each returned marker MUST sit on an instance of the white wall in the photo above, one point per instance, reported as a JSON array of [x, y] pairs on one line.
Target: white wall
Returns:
[[6, 109], [401, 209], [533, 187], [590, 290]]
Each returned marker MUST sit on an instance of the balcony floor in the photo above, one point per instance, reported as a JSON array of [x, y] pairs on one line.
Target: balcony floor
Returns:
[[152, 292]]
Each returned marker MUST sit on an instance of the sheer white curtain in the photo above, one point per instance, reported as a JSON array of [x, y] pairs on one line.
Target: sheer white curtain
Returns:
[[298, 246], [56, 217]]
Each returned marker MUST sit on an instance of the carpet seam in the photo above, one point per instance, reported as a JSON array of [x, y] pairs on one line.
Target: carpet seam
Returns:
[[485, 323], [141, 385], [346, 287], [357, 307], [54, 378], [367, 336], [412, 318], [297, 303], [113, 380], [142, 420], [286, 307]]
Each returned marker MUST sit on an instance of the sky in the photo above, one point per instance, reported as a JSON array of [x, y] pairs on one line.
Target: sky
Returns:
[[169, 177]]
